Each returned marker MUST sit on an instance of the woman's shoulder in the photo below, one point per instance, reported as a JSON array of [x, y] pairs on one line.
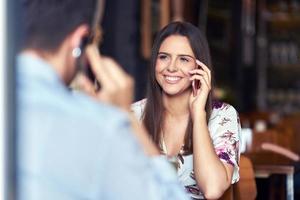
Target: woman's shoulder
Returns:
[[223, 112], [138, 108], [140, 103], [222, 108]]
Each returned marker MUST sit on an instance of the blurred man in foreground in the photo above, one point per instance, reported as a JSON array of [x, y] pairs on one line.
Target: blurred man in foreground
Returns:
[[78, 146]]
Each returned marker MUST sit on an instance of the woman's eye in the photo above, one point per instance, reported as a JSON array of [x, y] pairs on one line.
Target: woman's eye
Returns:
[[184, 59], [162, 57]]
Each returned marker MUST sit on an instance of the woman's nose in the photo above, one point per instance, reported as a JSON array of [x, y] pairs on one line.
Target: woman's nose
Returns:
[[172, 66]]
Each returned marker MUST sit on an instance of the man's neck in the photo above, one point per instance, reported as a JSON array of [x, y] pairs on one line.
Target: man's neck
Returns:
[[53, 60]]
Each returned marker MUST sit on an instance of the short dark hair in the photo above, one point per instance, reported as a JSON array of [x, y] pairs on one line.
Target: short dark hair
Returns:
[[153, 118], [47, 23]]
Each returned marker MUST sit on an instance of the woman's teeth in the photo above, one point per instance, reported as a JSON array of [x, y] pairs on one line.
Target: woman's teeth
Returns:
[[172, 78]]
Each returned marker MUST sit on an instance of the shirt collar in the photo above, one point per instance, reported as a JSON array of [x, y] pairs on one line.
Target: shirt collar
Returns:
[[33, 67]]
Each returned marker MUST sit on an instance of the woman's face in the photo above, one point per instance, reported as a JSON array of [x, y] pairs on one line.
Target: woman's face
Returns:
[[174, 61]]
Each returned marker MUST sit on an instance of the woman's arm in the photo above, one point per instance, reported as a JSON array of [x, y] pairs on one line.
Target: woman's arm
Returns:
[[212, 175]]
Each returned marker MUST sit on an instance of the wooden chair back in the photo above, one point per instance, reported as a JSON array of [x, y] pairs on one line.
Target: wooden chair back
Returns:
[[228, 194], [245, 188]]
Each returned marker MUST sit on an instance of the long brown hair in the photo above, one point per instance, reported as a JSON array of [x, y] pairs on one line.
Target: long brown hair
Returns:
[[153, 117]]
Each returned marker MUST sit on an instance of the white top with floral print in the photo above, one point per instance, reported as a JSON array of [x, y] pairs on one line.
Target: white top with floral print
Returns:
[[224, 127]]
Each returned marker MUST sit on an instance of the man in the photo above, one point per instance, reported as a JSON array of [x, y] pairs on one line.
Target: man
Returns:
[[72, 146]]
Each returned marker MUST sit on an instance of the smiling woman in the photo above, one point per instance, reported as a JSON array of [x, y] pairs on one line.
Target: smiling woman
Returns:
[[199, 136], [174, 61]]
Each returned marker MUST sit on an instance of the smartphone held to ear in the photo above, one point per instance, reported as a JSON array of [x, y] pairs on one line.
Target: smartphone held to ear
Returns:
[[82, 62], [195, 85], [94, 37], [84, 65]]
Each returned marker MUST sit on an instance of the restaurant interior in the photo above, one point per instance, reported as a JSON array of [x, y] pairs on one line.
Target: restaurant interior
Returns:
[[255, 48]]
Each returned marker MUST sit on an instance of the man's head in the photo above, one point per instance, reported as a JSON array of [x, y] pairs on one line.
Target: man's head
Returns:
[[47, 23], [53, 29]]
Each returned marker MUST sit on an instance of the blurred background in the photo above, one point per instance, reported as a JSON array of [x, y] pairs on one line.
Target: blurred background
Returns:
[[254, 45]]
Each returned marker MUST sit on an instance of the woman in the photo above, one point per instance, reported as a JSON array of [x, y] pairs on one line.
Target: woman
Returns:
[[200, 136]]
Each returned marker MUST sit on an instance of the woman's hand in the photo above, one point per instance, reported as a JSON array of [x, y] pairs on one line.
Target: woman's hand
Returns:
[[199, 96], [117, 87]]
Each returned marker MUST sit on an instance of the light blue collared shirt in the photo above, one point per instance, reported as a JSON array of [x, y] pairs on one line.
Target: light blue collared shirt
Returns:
[[72, 147]]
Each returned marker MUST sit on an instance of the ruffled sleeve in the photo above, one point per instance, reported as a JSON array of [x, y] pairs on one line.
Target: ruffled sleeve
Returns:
[[225, 129], [138, 109]]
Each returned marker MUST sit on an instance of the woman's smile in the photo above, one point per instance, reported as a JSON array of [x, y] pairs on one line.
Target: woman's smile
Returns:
[[172, 79]]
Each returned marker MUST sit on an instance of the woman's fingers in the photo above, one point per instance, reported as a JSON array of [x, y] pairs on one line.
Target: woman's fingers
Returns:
[[203, 81], [204, 68], [197, 73]]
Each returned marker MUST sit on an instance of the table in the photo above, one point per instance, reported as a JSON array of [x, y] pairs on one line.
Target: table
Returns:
[[268, 163]]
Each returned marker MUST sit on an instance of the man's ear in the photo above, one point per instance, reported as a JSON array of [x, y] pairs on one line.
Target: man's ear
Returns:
[[77, 35]]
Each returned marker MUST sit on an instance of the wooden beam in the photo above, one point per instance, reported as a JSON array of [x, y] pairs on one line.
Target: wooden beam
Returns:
[[164, 13], [146, 31]]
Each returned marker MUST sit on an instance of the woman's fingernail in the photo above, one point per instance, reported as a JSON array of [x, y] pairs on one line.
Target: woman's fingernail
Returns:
[[198, 62]]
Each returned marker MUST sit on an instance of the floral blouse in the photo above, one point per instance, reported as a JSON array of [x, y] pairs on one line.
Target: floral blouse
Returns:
[[224, 127]]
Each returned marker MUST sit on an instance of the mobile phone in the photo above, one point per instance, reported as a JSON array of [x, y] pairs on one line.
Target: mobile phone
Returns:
[[84, 65], [82, 61], [196, 84], [94, 37]]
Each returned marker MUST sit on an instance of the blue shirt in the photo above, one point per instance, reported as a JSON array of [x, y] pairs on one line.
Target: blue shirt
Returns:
[[72, 147]]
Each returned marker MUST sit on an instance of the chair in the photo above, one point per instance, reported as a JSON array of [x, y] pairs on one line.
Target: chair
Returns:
[[228, 194], [275, 136], [291, 123], [280, 150], [275, 145], [259, 121], [245, 189]]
